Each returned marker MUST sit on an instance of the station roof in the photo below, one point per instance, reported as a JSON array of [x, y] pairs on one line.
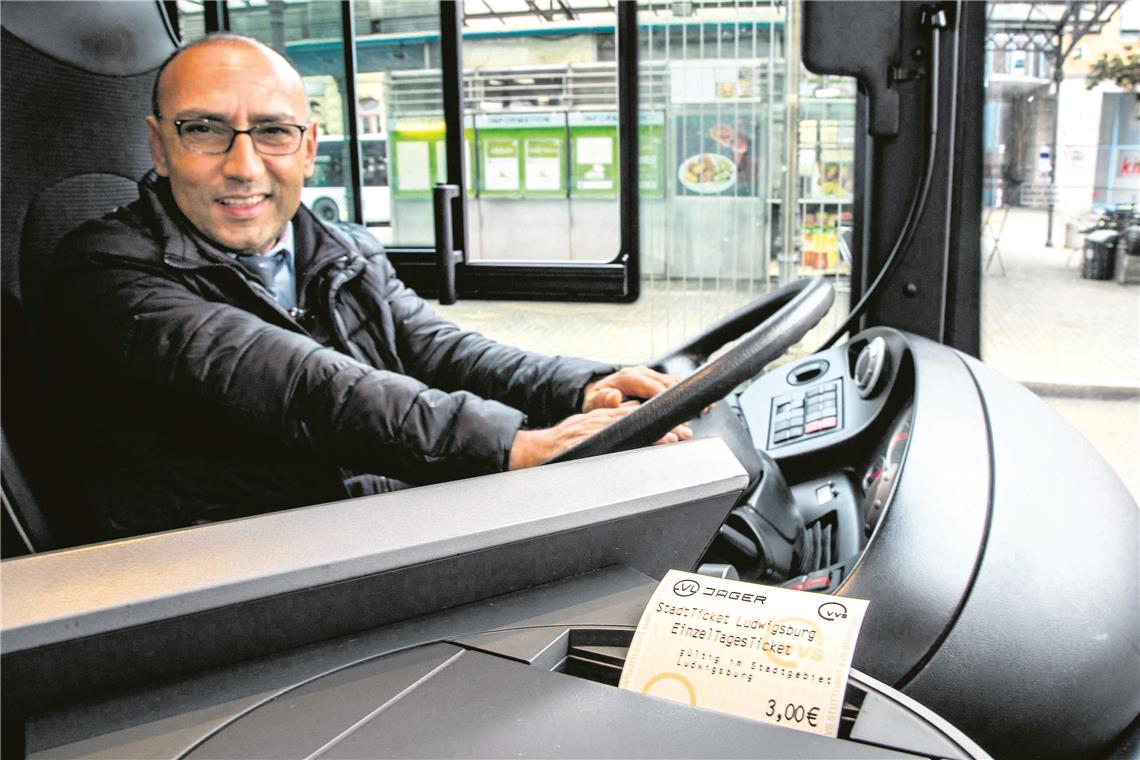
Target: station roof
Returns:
[[1044, 25]]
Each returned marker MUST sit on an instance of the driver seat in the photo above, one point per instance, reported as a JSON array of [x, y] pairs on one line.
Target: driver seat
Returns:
[[77, 80]]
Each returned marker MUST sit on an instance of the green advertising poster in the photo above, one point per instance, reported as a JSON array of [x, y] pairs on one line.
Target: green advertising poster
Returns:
[[544, 161], [419, 155], [415, 155], [593, 155], [500, 167], [651, 154], [521, 155]]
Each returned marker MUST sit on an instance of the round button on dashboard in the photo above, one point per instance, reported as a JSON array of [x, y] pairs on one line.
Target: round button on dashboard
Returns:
[[870, 366]]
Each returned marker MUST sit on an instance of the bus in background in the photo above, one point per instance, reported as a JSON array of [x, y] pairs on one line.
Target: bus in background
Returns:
[[324, 192]]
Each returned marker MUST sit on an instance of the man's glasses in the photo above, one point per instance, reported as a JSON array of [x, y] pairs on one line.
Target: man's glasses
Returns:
[[215, 137]]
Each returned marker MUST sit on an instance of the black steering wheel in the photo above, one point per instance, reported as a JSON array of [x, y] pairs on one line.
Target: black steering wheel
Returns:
[[767, 327]]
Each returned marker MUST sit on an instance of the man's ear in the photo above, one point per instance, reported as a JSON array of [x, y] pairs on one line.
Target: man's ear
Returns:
[[309, 146], [157, 150]]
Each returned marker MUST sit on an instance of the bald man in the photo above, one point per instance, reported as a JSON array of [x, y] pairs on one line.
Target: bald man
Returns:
[[237, 355]]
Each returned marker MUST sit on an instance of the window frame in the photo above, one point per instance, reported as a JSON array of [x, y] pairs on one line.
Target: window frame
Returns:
[[616, 280]]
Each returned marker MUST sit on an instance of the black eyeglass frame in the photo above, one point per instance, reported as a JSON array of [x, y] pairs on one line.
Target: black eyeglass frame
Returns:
[[178, 123]]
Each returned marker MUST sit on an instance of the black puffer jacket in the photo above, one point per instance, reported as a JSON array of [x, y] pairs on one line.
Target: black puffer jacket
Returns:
[[188, 394]]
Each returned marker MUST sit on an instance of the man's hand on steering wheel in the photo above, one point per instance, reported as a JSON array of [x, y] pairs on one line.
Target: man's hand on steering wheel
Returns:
[[758, 332], [637, 383], [604, 402], [763, 330]]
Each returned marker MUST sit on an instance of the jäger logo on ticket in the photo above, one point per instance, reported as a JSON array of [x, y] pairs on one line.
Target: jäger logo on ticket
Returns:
[[761, 652]]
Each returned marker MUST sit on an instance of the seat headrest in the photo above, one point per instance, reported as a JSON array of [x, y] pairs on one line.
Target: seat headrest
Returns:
[[77, 79], [113, 37]]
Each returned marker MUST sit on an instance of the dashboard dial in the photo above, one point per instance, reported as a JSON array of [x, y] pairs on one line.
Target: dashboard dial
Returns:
[[883, 471]]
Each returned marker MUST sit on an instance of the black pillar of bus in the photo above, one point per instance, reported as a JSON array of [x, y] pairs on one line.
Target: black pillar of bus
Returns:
[[628, 130], [961, 308], [934, 291], [352, 123], [451, 52], [215, 16], [170, 9]]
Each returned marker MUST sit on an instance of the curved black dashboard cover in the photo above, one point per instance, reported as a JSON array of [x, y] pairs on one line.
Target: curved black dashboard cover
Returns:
[[1055, 609], [920, 562]]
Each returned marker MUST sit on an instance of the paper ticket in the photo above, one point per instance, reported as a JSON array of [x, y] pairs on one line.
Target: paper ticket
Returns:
[[760, 652]]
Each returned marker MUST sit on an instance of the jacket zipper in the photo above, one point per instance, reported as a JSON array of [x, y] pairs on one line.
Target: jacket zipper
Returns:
[[332, 290]]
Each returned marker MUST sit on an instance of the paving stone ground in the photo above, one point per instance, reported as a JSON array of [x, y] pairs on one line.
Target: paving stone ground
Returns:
[[1074, 341], [1043, 323]]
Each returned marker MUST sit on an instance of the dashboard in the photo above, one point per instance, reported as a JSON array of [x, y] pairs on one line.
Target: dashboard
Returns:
[[831, 432], [946, 495]]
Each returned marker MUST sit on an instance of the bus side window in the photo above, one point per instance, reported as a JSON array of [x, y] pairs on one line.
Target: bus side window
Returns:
[[327, 169], [375, 164]]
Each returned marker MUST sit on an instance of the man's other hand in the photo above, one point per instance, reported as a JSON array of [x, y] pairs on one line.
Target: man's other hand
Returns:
[[533, 447], [638, 383]]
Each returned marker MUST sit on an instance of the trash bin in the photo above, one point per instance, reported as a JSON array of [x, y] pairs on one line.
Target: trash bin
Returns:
[[1128, 256], [1099, 253]]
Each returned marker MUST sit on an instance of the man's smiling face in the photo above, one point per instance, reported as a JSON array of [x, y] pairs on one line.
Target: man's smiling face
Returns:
[[241, 199]]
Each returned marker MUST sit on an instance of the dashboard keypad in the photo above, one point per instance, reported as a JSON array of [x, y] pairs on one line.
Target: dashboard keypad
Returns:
[[805, 413]]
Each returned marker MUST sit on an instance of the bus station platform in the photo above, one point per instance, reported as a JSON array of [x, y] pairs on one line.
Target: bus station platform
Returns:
[[1073, 341], [1047, 327]]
